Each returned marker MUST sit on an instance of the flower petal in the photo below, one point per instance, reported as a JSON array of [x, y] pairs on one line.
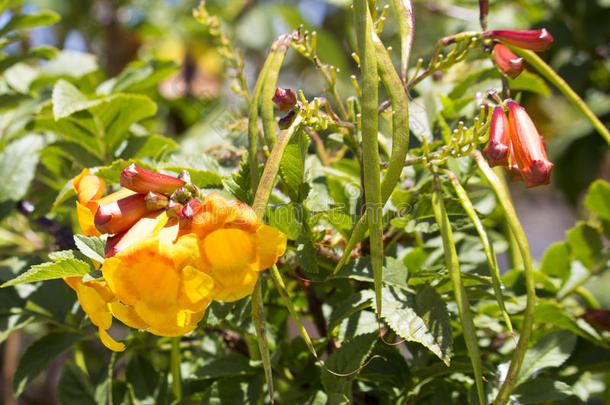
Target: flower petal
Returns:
[[127, 315], [270, 245], [109, 342]]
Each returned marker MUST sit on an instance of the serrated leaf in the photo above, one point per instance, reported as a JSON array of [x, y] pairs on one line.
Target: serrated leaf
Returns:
[[65, 267], [598, 199], [354, 303], [422, 319], [91, 246], [200, 178], [556, 261], [394, 271], [39, 355], [347, 359], [542, 390], [141, 76], [67, 100], [153, 146], [551, 313], [18, 162], [74, 387], [550, 351], [585, 243], [25, 21]]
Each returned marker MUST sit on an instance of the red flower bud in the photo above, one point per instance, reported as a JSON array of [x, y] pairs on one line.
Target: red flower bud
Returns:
[[173, 208], [284, 99], [496, 151], [142, 181], [507, 61], [512, 170], [534, 40], [119, 215], [530, 153]]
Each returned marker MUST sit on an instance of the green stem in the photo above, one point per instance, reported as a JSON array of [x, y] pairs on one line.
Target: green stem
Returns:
[[406, 24], [370, 149], [175, 362], [263, 192], [281, 287], [258, 315], [528, 316], [453, 265], [492, 261], [516, 261], [253, 124], [276, 58], [549, 74]]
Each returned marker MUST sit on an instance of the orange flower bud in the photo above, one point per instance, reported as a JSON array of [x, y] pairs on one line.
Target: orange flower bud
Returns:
[[496, 151], [119, 215], [530, 153], [507, 61], [284, 99], [142, 181], [534, 40]]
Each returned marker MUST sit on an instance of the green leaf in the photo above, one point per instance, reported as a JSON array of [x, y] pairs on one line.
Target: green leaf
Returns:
[[42, 52], [91, 246], [143, 377], [550, 351], [347, 307], [232, 365], [234, 390], [39, 355], [10, 323], [551, 313], [152, 146], [74, 387], [556, 261], [528, 81], [585, 243], [18, 162], [69, 63], [51, 270], [347, 359], [476, 77], [67, 100], [423, 319], [598, 199], [542, 390], [25, 21], [118, 112], [200, 178], [141, 76], [394, 273]]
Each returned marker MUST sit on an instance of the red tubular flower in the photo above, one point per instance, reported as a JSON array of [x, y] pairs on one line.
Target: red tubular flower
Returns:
[[284, 99], [120, 215], [528, 146], [507, 61], [496, 151], [534, 40], [142, 181]]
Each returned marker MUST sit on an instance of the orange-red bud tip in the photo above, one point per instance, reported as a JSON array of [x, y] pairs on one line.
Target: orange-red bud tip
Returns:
[[507, 61], [496, 151], [142, 181], [119, 215], [284, 99], [534, 40]]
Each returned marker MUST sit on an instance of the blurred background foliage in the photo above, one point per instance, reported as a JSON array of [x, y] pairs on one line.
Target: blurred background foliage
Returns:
[[188, 116]]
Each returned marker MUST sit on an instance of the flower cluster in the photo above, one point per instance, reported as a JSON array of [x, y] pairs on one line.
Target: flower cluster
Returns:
[[515, 143], [170, 253], [507, 61]]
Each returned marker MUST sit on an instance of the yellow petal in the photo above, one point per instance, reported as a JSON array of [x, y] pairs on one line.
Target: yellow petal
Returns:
[[270, 245], [127, 315], [196, 291], [229, 250], [85, 220], [235, 288], [93, 301], [110, 342], [89, 188], [167, 321]]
